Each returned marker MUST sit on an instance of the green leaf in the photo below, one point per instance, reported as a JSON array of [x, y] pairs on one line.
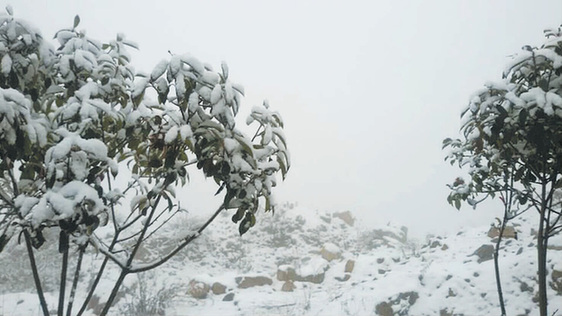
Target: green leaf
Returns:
[[244, 226], [246, 145], [238, 215], [543, 84], [282, 166], [3, 242], [251, 218], [457, 204], [267, 204], [522, 117], [76, 21], [38, 240]]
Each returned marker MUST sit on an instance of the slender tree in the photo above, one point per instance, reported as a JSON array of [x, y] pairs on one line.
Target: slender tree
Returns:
[[512, 130], [75, 117]]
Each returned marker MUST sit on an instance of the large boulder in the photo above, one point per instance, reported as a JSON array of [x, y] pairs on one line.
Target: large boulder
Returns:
[[251, 281], [330, 252], [218, 288], [198, 289], [313, 271], [286, 273]]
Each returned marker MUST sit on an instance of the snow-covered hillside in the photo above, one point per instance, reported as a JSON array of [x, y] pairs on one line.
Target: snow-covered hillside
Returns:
[[305, 262]]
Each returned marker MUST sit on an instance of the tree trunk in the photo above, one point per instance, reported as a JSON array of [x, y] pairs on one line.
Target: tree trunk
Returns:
[[497, 266], [82, 249], [541, 252], [36, 279], [114, 292], [62, 288]]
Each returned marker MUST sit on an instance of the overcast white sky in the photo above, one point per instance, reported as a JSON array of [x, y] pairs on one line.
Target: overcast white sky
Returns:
[[368, 89]]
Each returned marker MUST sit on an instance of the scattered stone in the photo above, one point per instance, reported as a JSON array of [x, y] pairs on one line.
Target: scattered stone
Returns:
[[435, 244], [346, 277], [218, 288], [524, 287], [556, 283], [248, 281], [349, 265], [330, 252], [381, 271], [198, 289], [397, 305], [445, 312], [314, 278], [445, 247], [508, 232], [380, 260], [451, 293], [228, 297], [412, 297], [288, 286], [346, 217], [384, 309], [484, 253], [96, 305]]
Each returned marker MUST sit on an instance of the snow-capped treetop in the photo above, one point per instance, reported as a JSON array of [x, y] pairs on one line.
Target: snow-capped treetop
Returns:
[[516, 122], [69, 115]]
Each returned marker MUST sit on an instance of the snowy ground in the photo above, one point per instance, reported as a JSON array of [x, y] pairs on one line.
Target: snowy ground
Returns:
[[441, 275]]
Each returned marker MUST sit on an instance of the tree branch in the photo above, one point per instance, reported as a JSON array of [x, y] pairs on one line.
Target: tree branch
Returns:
[[185, 242]]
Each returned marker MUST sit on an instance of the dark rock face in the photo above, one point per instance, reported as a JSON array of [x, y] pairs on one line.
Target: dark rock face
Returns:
[[484, 253], [228, 297]]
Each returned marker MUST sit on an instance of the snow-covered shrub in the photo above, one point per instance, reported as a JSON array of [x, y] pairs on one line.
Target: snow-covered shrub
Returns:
[[95, 151], [147, 297]]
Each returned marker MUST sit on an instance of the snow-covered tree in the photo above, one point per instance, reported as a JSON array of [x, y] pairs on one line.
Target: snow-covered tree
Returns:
[[75, 115], [512, 143]]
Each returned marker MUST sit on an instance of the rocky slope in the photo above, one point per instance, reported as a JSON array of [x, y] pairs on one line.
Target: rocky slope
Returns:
[[304, 262]]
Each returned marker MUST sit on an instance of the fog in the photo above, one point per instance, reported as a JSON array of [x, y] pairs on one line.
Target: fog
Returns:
[[368, 89]]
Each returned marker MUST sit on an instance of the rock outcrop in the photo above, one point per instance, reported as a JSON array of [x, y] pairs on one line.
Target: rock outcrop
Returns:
[[251, 281]]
